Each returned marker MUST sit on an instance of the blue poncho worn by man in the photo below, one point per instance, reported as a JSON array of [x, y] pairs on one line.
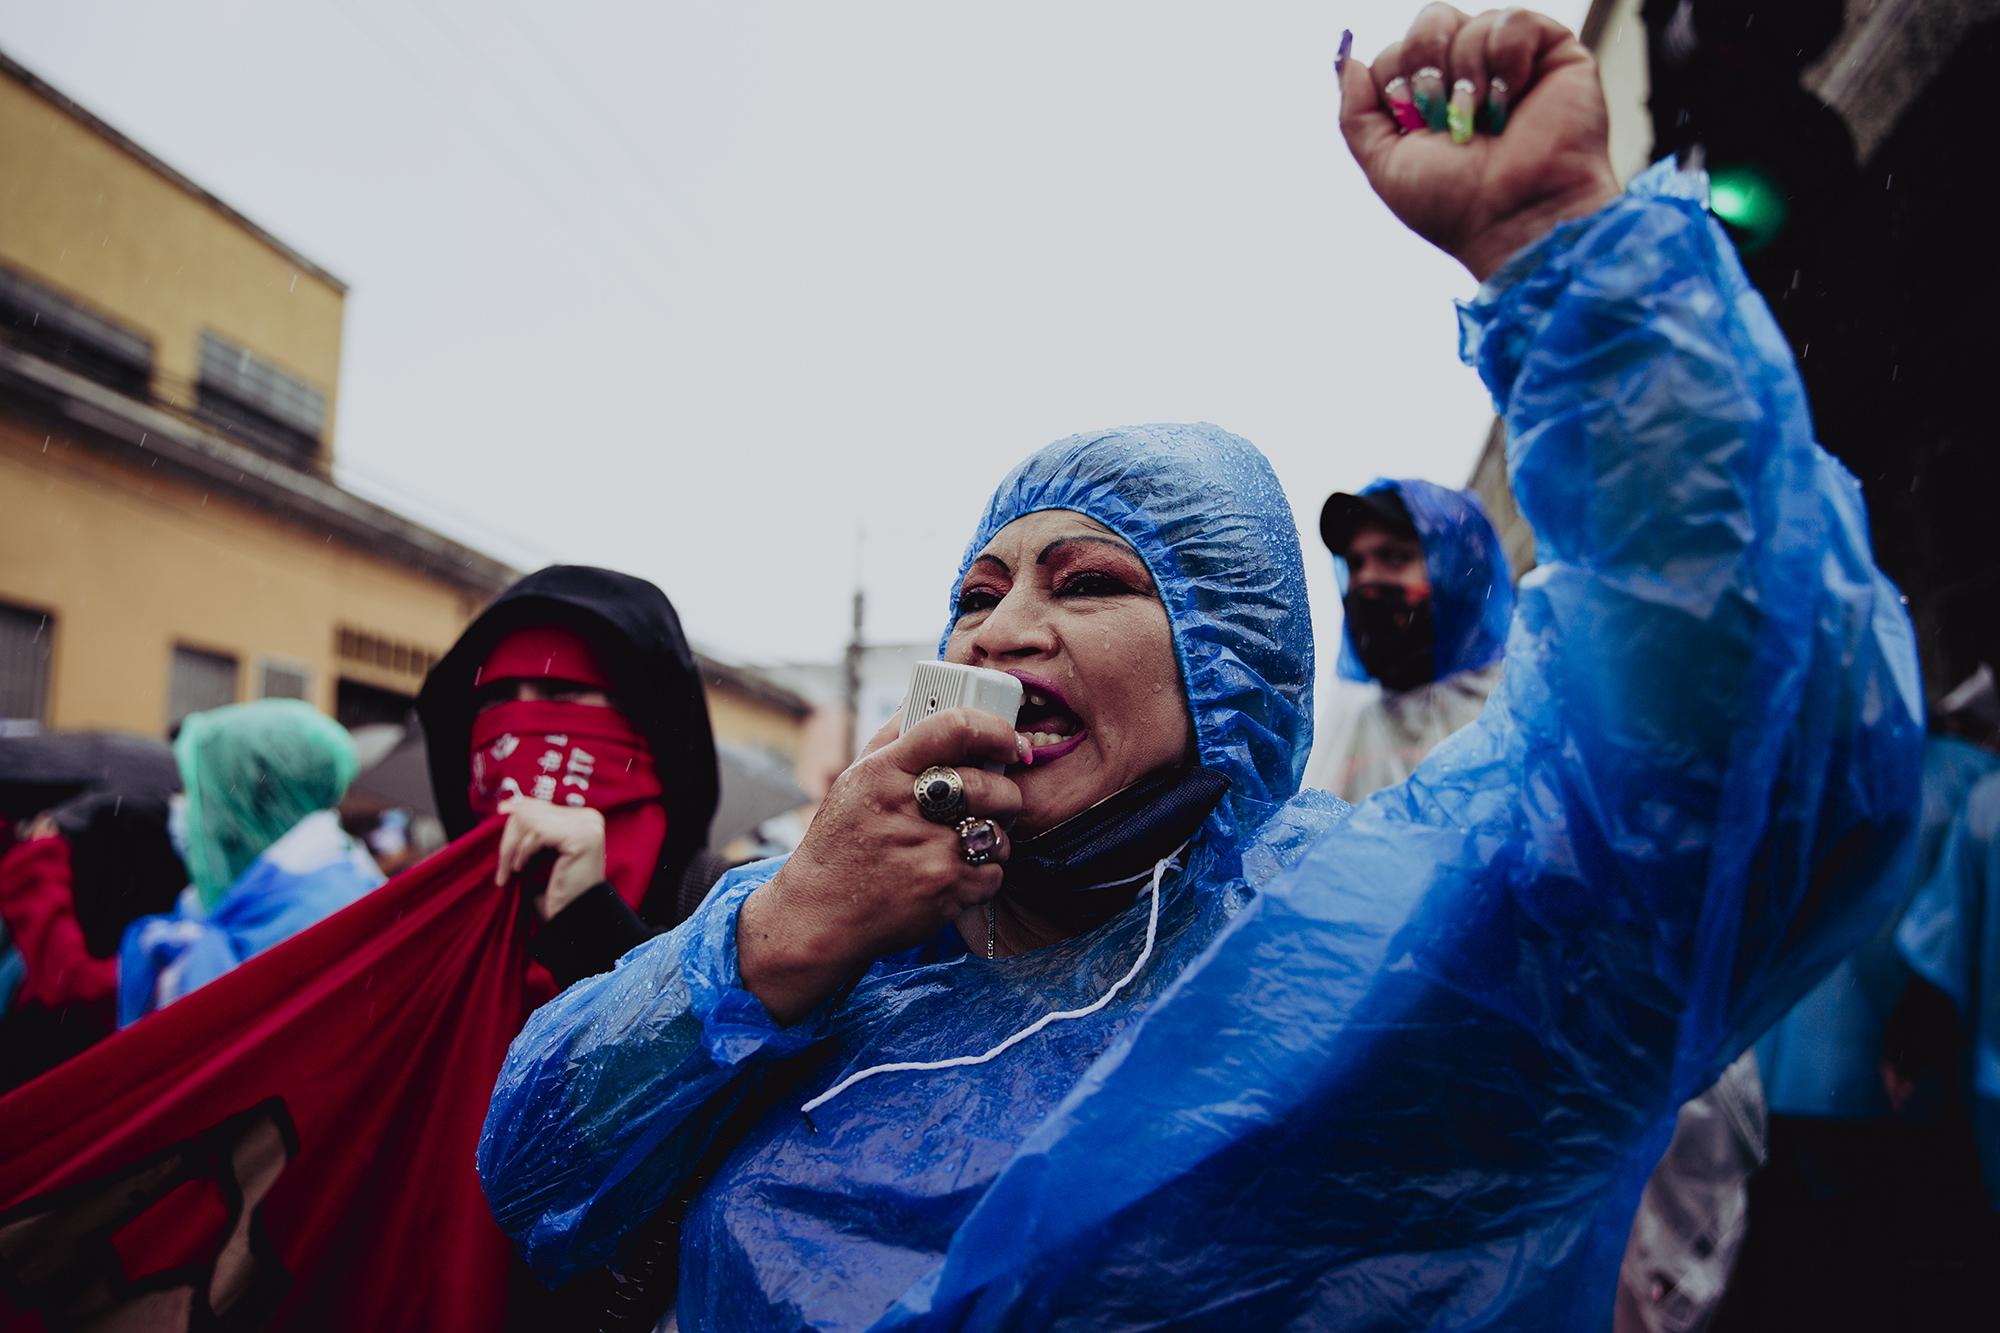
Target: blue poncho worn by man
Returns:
[[1428, 599], [1130, 1032]]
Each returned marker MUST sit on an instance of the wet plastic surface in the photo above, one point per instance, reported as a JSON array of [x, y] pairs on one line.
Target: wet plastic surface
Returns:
[[1824, 1058], [1950, 936], [298, 881], [615, 1087]]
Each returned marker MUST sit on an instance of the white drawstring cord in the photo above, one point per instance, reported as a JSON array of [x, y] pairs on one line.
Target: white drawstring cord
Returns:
[[960, 1061]]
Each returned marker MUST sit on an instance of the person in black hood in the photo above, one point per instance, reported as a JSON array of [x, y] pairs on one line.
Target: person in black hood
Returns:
[[573, 704]]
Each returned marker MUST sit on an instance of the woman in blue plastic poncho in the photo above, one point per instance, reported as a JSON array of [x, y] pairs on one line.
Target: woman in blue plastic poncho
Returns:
[[1401, 1065]]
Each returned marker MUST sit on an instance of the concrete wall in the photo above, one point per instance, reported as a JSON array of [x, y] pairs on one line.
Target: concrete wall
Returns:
[[82, 214], [131, 563]]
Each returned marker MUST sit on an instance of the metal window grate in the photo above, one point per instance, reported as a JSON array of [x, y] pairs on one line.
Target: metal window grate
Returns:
[[285, 682], [27, 642], [62, 330], [254, 383], [198, 682]]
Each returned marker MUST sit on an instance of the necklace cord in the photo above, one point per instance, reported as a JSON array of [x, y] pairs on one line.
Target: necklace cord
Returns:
[[961, 1061]]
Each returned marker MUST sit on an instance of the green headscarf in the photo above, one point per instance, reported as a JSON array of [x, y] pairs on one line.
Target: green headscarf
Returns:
[[251, 772]]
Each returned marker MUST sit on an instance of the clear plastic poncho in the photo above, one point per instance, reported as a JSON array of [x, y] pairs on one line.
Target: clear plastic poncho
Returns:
[[1419, 1075]]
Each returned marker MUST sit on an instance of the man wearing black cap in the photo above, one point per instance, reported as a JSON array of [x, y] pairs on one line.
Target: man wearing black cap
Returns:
[[1425, 587], [1427, 597]]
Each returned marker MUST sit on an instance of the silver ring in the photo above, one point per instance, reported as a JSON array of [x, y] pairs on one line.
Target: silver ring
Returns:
[[978, 841], [940, 794], [1496, 84], [1431, 72], [1389, 88], [1464, 86]]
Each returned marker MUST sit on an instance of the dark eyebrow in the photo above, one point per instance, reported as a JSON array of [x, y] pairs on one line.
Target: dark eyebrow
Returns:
[[1061, 542], [991, 560]]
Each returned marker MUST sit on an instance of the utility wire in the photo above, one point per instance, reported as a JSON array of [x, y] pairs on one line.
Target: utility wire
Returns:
[[585, 87], [184, 394], [554, 198], [524, 104]]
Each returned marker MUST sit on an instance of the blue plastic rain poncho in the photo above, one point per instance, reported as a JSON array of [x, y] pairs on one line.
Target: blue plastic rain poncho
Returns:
[[1950, 936], [263, 847], [1370, 737], [1824, 1058], [617, 1084], [1419, 1075]]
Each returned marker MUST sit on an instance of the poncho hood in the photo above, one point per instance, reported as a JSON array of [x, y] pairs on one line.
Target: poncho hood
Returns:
[[633, 625], [251, 773], [1472, 595], [1204, 510]]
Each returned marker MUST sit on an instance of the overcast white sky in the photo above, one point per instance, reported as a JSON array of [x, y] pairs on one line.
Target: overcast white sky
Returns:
[[709, 291]]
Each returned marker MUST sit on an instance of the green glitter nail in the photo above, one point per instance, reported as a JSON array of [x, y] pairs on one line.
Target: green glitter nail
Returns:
[[1458, 116]]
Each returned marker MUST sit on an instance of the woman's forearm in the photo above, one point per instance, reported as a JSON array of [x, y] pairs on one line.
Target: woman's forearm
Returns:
[[788, 960]]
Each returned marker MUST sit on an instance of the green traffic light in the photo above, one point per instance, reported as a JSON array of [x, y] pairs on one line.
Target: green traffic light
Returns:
[[1749, 201]]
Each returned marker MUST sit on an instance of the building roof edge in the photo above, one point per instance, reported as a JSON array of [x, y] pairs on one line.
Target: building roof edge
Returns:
[[63, 102], [756, 684], [114, 423]]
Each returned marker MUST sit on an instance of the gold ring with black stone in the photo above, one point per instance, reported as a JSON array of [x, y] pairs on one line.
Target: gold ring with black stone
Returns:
[[941, 794]]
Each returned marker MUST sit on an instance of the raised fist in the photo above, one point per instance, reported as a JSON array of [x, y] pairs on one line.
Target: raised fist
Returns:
[[1481, 133]]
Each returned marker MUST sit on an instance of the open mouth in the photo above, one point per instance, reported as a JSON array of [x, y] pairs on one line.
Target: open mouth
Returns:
[[1046, 721]]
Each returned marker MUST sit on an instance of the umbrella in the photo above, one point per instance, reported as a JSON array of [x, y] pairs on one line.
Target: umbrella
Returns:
[[41, 771], [756, 785], [398, 776]]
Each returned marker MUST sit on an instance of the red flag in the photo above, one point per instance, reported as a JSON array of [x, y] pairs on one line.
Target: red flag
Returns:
[[289, 1146]]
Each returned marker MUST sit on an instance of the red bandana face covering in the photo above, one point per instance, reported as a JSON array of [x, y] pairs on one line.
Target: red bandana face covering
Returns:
[[578, 755]]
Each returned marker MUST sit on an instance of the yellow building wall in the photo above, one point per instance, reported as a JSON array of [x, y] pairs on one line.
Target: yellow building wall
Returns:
[[131, 563], [733, 717], [82, 215]]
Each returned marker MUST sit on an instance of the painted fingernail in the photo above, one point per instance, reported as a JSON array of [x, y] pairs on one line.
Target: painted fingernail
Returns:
[[1427, 87], [1024, 751], [1458, 116], [1496, 106], [1340, 56], [1397, 93]]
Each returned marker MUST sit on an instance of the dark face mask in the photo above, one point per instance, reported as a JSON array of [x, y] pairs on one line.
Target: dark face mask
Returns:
[[1116, 841], [1392, 634]]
